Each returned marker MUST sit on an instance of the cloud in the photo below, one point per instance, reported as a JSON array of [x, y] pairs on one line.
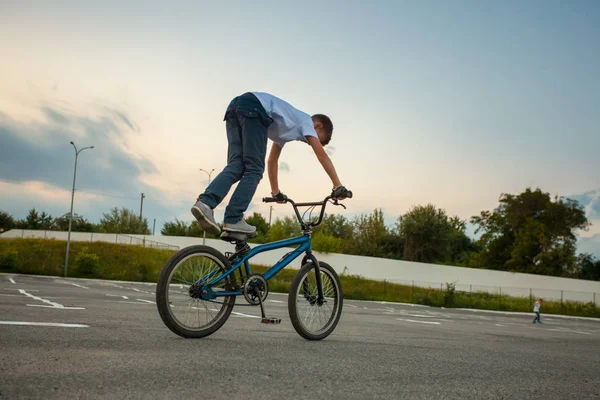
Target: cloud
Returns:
[[37, 162], [40, 151], [589, 245], [126, 120], [55, 116], [590, 202]]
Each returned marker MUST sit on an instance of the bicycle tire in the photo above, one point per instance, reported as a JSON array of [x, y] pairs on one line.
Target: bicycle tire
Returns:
[[164, 282], [331, 285]]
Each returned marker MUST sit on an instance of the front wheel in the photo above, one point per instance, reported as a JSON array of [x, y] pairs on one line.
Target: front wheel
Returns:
[[179, 304], [314, 320]]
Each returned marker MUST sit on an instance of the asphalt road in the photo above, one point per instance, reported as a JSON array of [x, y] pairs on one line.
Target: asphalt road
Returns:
[[99, 339]]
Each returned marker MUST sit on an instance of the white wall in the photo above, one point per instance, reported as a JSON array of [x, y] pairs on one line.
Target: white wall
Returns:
[[89, 237], [419, 274]]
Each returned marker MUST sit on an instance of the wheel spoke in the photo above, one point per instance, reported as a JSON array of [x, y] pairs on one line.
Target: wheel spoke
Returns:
[[193, 313], [316, 318]]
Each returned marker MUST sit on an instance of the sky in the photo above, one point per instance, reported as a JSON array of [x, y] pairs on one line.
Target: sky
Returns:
[[449, 103]]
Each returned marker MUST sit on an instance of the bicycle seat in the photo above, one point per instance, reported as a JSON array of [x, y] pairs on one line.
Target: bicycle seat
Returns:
[[237, 237]]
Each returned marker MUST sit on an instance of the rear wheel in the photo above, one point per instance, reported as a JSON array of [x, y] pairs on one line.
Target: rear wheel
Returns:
[[312, 319], [177, 292]]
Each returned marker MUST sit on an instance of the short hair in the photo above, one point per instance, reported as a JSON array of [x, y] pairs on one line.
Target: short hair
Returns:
[[327, 125]]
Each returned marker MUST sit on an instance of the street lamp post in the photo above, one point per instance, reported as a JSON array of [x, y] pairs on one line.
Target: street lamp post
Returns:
[[209, 174], [72, 198]]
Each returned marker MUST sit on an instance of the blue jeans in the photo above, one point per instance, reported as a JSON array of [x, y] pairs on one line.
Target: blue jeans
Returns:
[[537, 318], [246, 123]]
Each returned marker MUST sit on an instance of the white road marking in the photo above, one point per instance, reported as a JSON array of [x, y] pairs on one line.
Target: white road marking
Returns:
[[421, 316], [365, 308], [395, 302], [568, 331], [245, 315], [139, 291], [9, 295], [79, 286], [419, 322], [51, 304], [276, 301], [112, 284], [351, 305], [500, 325], [61, 325], [113, 295], [125, 297], [146, 301], [12, 281]]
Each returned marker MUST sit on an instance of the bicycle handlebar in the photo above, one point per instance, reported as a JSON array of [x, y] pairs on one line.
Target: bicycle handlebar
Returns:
[[309, 204], [288, 200]]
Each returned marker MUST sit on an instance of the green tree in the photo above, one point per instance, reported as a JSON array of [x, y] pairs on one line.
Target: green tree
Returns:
[[35, 220], [530, 232], [371, 237], [182, 228], [6, 221], [123, 221], [335, 225], [262, 227], [326, 243], [79, 224], [176, 228], [283, 228], [430, 236], [589, 267]]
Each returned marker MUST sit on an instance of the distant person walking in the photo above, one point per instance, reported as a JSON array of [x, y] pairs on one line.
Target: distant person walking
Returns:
[[536, 310]]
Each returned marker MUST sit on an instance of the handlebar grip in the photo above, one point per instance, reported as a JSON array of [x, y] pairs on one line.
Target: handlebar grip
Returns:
[[269, 200]]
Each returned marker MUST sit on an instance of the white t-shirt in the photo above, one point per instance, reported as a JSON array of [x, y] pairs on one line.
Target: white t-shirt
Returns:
[[536, 306], [289, 123]]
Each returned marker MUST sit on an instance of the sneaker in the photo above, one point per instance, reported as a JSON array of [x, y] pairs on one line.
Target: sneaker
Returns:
[[206, 217], [240, 226]]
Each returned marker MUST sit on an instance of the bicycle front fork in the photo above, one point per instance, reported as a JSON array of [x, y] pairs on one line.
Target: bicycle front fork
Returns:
[[310, 257]]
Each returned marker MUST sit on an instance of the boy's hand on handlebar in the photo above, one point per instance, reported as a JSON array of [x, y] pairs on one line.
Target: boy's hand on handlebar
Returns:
[[340, 193], [279, 197]]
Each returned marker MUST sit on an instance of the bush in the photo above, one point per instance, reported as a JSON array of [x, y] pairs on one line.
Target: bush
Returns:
[[449, 294], [326, 243], [8, 259], [87, 264]]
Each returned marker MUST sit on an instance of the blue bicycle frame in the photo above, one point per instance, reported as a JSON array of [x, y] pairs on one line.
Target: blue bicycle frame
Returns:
[[304, 246], [303, 243]]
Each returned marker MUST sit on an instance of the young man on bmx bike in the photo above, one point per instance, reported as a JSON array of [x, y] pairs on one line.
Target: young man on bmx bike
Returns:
[[251, 119]]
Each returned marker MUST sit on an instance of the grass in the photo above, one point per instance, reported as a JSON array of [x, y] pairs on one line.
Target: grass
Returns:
[[134, 263]]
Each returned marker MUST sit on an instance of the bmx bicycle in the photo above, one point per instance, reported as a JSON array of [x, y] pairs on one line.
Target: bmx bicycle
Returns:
[[198, 286]]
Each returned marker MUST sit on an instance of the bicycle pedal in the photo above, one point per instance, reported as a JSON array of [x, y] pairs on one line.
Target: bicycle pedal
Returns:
[[271, 320]]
